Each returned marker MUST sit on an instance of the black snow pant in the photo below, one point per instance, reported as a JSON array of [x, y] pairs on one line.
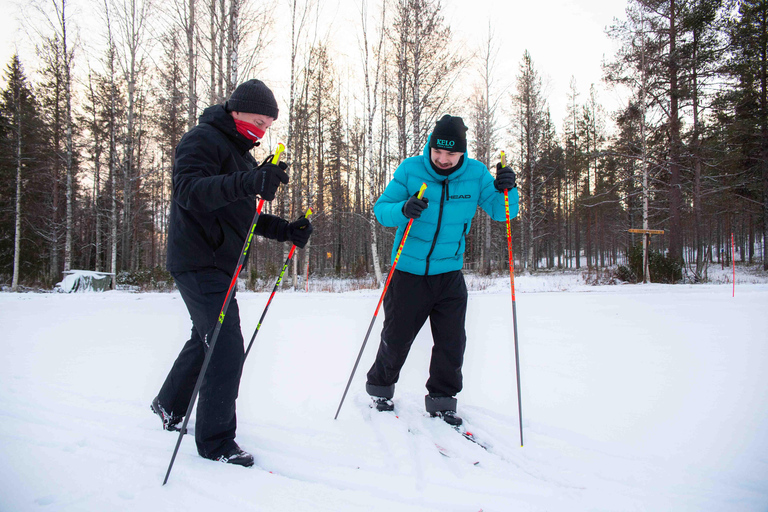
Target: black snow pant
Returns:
[[204, 292], [410, 300]]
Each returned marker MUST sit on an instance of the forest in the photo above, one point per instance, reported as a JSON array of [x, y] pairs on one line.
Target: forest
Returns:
[[87, 145]]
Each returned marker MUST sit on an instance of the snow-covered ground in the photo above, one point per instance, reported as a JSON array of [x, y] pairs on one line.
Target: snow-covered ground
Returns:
[[634, 398]]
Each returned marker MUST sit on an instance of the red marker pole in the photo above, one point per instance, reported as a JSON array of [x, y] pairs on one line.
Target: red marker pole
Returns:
[[514, 304], [381, 299], [733, 258]]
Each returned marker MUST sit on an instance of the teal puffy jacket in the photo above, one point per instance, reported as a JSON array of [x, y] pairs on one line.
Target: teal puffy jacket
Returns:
[[436, 241]]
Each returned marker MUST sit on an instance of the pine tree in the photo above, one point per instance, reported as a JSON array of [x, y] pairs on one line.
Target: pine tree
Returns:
[[747, 104], [22, 203]]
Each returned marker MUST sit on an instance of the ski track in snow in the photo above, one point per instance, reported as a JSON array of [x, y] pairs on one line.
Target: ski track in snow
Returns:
[[634, 398]]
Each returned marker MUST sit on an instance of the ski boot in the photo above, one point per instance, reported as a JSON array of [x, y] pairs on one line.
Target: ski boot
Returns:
[[170, 422], [443, 407]]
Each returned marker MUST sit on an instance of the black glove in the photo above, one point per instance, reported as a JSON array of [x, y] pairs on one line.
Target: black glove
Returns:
[[413, 206], [265, 179], [505, 178], [298, 232]]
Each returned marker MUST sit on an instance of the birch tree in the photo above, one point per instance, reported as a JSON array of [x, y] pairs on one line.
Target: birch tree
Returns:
[[428, 65], [132, 19], [529, 111], [372, 74], [484, 121]]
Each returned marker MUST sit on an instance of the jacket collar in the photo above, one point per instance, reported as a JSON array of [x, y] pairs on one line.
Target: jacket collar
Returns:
[[218, 117]]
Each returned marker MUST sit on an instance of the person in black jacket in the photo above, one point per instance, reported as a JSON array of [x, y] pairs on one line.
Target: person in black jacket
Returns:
[[215, 179]]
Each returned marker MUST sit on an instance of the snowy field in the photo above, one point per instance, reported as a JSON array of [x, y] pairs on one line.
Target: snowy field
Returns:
[[634, 398]]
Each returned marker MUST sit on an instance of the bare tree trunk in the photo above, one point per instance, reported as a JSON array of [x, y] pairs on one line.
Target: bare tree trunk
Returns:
[[97, 147], [485, 136], [305, 273], [402, 78], [371, 101], [221, 46], [127, 180], [415, 78], [764, 134], [62, 21], [696, 146], [214, 35], [17, 233], [675, 191], [233, 44], [112, 154], [191, 67], [646, 191]]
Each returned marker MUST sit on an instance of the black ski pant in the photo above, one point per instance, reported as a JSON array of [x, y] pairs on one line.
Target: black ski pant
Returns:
[[410, 300], [204, 292]]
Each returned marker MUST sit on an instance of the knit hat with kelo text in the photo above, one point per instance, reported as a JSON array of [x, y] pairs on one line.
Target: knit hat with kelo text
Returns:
[[253, 97], [449, 134]]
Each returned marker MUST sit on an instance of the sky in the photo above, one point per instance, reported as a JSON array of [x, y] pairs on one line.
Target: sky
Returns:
[[566, 38]]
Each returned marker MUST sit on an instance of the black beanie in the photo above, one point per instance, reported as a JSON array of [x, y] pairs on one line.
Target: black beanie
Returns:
[[253, 97], [449, 134]]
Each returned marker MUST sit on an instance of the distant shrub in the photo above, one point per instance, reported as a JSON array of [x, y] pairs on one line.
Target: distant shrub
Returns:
[[145, 279], [662, 268], [624, 273]]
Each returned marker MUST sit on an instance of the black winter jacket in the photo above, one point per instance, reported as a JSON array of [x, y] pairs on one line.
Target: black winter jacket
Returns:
[[211, 212]]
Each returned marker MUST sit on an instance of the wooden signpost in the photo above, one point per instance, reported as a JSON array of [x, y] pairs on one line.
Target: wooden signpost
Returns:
[[646, 245]]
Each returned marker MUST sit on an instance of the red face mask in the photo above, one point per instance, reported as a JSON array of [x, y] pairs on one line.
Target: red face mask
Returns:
[[249, 131]]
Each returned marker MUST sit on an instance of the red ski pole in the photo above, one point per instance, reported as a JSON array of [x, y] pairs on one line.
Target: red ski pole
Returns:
[[514, 304], [381, 299], [217, 329]]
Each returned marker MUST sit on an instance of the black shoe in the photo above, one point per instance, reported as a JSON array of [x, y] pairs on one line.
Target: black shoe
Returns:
[[382, 404], [170, 422], [449, 417], [236, 456]]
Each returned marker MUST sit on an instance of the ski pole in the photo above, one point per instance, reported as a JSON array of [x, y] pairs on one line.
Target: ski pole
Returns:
[[381, 299], [514, 304], [277, 284], [217, 329]]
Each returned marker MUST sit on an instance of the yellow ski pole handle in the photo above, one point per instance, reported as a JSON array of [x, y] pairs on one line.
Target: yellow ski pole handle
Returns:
[[503, 159], [280, 149], [421, 190]]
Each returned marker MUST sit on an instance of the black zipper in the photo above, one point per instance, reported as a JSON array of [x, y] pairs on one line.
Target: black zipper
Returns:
[[463, 232], [439, 221]]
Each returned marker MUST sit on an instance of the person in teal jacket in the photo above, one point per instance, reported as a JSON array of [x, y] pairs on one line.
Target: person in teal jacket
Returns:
[[428, 282]]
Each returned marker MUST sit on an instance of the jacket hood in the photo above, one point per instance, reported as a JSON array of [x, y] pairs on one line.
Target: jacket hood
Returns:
[[439, 177], [218, 117]]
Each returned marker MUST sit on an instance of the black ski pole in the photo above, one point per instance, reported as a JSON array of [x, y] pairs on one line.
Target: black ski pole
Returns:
[[217, 329], [381, 299], [277, 285]]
